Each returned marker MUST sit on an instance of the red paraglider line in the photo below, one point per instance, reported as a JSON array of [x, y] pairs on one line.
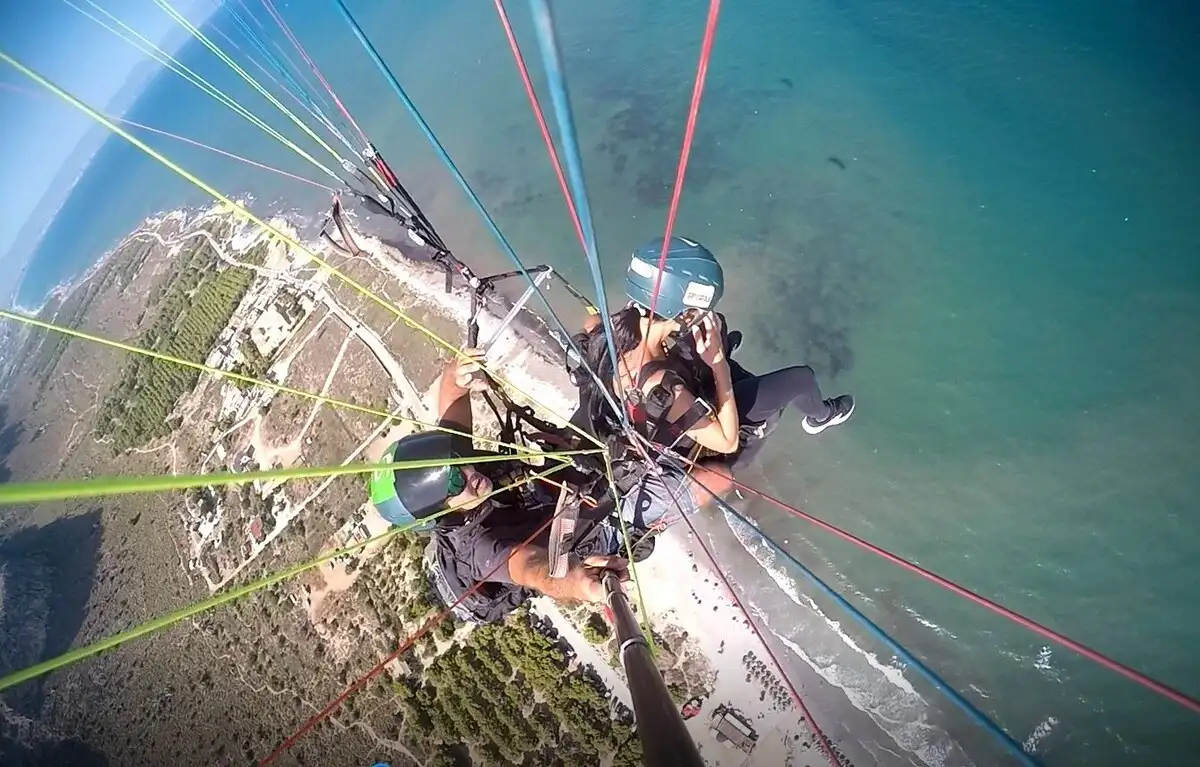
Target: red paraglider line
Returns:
[[313, 66], [1045, 632], [541, 120], [362, 681], [822, 740], [710, 30]]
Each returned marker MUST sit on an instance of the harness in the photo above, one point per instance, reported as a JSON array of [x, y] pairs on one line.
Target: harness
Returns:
[[448, 555], [648, 411]]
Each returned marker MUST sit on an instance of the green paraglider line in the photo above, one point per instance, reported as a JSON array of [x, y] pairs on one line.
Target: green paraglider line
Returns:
[[165, 621], [628, 544], [171, 11], [101, 487], [331, 401], [192, 142], [244, 213], [264, 226], [142, 43]]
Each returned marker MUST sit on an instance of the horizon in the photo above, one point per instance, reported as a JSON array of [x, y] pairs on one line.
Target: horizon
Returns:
[[48, 133]]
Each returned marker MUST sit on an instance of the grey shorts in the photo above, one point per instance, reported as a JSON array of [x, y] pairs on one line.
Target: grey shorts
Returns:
[[653, 501], [659, 498], [442, 586]]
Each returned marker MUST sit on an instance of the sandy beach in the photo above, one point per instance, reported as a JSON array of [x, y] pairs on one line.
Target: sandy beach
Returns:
[[679, 587]]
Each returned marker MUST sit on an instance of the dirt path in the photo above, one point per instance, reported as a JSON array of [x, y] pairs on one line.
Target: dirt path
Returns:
[[392, 745], [296, 447]]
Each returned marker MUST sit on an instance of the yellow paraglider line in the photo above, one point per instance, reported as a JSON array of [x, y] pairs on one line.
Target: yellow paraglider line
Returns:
[[157, 624], [244, 213], [139, 41], [232, 376]]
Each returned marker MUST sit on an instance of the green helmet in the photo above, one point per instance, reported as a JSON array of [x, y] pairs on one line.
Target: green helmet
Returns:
[[691, 277], [404, 496]]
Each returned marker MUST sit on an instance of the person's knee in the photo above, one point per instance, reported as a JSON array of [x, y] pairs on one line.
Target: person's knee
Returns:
[[800, 377]]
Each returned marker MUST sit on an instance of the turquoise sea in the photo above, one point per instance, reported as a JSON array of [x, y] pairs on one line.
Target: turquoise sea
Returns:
[[980, 218]]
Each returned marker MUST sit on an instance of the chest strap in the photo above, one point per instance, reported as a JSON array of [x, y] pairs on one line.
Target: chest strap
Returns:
[[648, 410]]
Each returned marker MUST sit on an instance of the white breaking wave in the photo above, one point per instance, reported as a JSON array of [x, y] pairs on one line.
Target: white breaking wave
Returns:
[[943, 632], [1040, 733], [31, 311], [1042, 663], [877, 688]]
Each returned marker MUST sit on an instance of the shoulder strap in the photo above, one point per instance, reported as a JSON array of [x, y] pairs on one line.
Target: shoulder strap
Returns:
[[698, 411], [652, 367]]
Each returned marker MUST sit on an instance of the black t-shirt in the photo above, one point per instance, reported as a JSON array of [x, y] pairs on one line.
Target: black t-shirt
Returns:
[[483, 538]]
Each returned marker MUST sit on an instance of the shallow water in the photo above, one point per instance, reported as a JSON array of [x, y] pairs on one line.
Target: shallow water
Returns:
[[1000, 265]]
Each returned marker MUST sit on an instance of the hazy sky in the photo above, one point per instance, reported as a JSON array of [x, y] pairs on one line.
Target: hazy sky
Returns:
[[38, 132]]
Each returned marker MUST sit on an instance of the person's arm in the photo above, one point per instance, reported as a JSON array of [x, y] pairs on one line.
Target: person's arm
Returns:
[[720, 432], [584, 582], [459, 378]]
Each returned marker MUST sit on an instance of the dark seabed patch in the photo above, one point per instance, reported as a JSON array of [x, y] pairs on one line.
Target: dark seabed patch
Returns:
[[519, 199], [38, 751], [821, 281], [487, 183], [638, 140]]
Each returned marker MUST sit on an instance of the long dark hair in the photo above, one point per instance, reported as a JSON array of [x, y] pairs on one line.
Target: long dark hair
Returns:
[[627, 335]]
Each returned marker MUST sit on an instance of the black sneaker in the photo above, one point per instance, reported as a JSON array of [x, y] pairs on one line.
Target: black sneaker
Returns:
[[752, 430], [733, 340], [840, 410]]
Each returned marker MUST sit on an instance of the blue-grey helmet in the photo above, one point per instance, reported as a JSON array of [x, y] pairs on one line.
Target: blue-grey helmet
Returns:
[[691, 277]]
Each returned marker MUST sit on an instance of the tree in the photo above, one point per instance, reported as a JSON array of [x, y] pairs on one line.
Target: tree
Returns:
[[492, 754], [629, 754], [595, 629], [443, 757], [444, 630]]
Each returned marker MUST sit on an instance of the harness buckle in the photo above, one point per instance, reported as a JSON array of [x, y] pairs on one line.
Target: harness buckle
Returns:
[[562, 531]]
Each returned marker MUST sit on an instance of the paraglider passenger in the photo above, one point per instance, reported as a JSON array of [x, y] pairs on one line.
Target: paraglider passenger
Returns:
[[679, 386], [474, 543]]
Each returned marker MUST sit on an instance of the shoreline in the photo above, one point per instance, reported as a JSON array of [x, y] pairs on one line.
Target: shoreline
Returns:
[[699, 605]]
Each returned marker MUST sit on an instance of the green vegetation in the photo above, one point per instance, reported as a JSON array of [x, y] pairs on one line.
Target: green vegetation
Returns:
[[507, 694], [255, 365], [290, 307], [501, 694], [190, 309], [595, 630], [43, 349]]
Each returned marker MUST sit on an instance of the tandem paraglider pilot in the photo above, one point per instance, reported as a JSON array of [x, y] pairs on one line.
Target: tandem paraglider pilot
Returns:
[[481, 540]]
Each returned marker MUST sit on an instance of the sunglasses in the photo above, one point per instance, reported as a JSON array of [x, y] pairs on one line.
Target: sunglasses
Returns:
[[456, 481]]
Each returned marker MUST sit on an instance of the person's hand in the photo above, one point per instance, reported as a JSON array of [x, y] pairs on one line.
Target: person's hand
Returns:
[[587, 577], [468, 371], [710, 344]]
